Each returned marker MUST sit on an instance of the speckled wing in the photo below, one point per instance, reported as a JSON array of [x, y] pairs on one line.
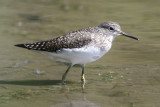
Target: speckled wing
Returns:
[[76, 39]]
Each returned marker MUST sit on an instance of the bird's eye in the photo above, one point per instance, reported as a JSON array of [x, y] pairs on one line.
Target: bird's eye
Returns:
[[111, 28]]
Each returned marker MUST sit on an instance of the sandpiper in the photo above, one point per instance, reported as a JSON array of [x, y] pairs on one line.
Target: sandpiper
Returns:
[[79, 47]]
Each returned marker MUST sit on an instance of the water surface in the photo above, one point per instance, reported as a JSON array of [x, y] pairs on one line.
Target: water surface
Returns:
[[127, 76]]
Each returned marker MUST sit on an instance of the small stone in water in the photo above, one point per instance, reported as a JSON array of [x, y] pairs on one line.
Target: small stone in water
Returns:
[[99, 74], [37, 71]]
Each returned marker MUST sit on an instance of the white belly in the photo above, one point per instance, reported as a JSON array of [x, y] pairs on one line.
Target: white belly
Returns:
[[77, 55]]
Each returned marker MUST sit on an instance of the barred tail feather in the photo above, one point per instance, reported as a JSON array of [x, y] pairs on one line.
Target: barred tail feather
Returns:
[[21, 45]]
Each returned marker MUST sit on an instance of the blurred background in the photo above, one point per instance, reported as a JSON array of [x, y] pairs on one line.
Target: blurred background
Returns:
[[127, 76]]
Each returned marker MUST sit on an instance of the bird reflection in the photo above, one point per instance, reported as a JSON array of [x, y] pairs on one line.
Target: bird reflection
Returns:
[[79, 103]]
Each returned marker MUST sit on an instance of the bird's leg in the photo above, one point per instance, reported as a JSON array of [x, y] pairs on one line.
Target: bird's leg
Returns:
[[65, 74], [82, 76]]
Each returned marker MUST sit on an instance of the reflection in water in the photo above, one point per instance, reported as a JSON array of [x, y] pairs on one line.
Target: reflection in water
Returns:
[[81, 103]]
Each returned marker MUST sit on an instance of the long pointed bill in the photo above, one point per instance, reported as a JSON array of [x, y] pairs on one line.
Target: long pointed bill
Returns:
[[125, 34]]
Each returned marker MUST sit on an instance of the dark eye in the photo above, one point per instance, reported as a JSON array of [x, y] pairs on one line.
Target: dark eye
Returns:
[[111, 28]]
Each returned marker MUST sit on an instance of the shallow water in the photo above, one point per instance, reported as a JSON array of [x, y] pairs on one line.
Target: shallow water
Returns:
[[127, 76]]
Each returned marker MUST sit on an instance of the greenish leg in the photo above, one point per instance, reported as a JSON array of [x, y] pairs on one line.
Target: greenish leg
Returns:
[[82, 76], [65, 74]]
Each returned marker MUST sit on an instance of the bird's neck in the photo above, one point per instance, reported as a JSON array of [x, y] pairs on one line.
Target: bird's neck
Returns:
[[110, 38]]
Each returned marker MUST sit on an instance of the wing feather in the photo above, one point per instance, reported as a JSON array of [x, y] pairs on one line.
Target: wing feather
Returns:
[[76, 39]]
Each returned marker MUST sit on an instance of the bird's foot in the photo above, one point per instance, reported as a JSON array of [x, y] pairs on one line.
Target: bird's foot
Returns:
[[83, 81], [63, 83]]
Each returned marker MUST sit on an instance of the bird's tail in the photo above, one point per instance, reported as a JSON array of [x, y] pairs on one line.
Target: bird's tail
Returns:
[[21, 45]]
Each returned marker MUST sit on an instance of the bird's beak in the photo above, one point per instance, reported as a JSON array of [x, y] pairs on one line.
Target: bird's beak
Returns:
[[125, 34]]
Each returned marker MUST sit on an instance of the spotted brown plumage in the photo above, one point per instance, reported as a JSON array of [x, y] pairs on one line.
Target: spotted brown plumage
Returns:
[[71, 40]]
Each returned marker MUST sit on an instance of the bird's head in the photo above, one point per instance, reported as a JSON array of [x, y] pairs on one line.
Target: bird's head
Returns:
[[114, 29]]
